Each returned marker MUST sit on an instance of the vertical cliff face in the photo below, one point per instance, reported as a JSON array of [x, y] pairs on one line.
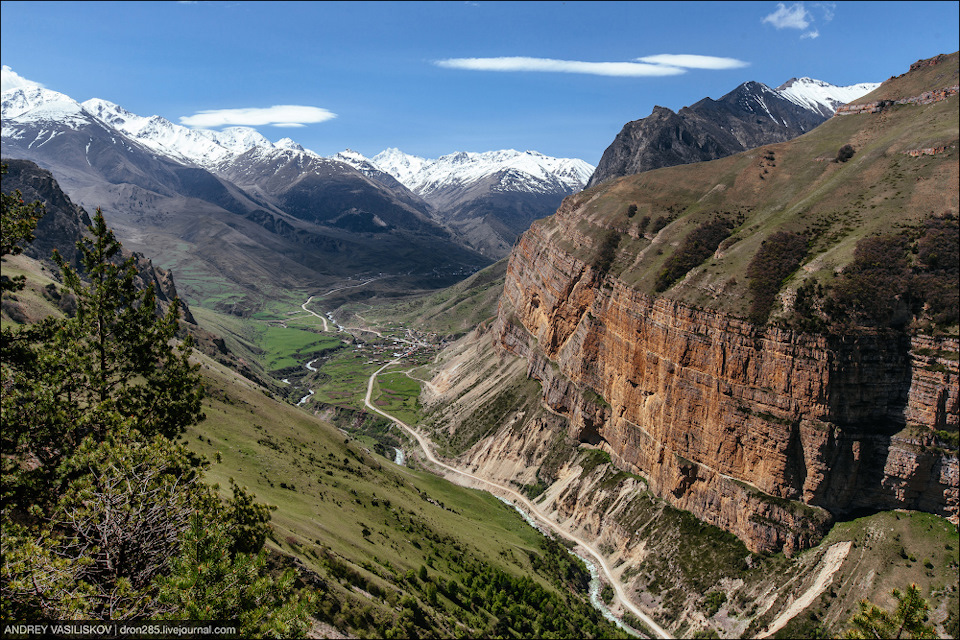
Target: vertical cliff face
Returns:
[[765, 432]]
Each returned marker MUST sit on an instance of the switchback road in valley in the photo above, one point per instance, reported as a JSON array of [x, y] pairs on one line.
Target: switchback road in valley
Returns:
[[326, 327], [498, 489]]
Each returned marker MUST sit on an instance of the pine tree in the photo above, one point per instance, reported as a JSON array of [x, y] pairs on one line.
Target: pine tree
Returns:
[[105, 514], [209, 581], [906, 621], [112, 363], [17, 222]]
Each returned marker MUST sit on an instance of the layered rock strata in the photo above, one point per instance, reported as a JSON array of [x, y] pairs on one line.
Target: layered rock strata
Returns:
[[765, 432]]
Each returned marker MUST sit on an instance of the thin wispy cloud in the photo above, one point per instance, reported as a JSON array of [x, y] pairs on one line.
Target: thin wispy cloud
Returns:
[[285, 115], [810, 35], [650, 66], [690, 61], [828, 9]]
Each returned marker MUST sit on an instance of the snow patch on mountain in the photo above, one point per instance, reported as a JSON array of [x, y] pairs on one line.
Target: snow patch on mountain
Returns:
[[822, 97], [358, 161], [204, 147], [516, 171], [27, 105], [34, 104]]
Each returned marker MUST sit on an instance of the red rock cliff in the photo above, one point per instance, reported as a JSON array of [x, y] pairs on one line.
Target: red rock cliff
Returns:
[[765, 432]]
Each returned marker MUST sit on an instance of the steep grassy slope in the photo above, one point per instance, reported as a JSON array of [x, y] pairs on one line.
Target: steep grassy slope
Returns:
[[794, 187], [449, 312], [389, 551], [364, 524]]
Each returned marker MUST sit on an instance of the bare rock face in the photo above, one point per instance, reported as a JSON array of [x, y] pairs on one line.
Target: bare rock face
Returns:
[[750, 116], [765, 432]]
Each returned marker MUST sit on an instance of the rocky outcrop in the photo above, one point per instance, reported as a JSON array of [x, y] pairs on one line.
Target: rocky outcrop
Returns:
[[64, 223], [765, 432], [750, 116], [927, 151], [927, 97], [929, 62]]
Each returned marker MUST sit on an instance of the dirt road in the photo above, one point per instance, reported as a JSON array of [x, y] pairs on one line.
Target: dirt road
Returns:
[[529, 507]]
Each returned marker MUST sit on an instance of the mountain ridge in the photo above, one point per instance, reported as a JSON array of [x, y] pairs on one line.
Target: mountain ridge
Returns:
[[481, 201], [488, 198], [749, 116], [173, 192]]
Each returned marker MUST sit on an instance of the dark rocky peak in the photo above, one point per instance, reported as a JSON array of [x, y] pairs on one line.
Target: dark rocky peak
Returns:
[[65, 223], [750, 116]]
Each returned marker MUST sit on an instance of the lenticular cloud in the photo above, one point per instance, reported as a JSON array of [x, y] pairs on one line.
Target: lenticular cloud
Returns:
[[649, 66], [690, 61], [517, 63], [286, 115]]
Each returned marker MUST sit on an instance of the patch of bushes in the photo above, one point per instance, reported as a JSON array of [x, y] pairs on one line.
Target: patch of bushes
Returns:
[[893, 280], [845, 153], [643, 224], [608, 252], [713, 601], [938, 257], [659, 224], [695, 248], [873, 287], [778, 257]]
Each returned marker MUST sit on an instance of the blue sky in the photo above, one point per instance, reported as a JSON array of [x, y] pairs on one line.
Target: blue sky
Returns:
[[431, 78]]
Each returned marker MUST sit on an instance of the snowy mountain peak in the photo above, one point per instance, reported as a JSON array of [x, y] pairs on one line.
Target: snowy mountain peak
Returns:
[[18, 101], [238, 139], [287, 143], [822, 97], [25, 102], [528, 170], [351, 157]]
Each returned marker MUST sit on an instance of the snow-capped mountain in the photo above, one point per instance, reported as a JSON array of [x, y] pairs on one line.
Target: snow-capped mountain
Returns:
[[204, 147], [231, 204], [523, 171], [27, 103], [487, 198], [36, 105], [750, 116], [822, 97]]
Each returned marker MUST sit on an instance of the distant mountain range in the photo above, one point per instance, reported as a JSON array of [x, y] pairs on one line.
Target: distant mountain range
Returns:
[[154, 177], [233, 206], [488, 199], [750, 116], [238, 216]]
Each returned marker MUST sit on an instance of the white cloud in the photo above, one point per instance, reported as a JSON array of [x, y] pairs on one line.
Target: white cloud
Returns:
[[284, 115], [810, 35], [516, 63], [689, 61], [794, 17], [10, 79]]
